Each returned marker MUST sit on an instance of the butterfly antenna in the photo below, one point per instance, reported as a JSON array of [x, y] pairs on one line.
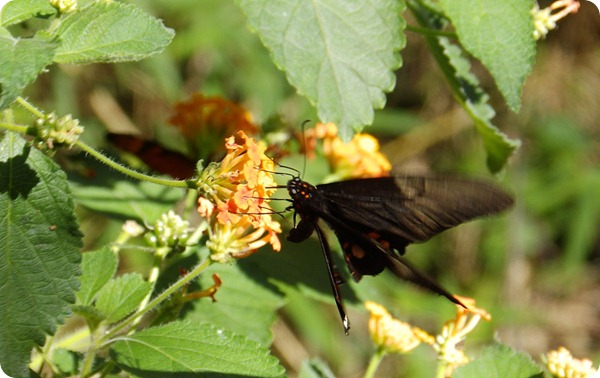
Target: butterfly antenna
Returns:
[[281, 173]]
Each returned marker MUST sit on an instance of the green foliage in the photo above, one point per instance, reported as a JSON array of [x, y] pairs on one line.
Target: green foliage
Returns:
[[508, 48], [121, 296], [500, 361], [97, 268], [467, 91], [21, 61], [315, 369], [339, 55], [125, 199], [246, 304], [15, 12], [39, 251], [102, 32], [181, 347]]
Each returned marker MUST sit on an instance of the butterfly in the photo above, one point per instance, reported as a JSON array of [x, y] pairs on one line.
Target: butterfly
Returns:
[[375, 219]]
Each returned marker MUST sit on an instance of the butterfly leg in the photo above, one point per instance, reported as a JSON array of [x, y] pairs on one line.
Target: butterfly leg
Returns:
[[334, 277]]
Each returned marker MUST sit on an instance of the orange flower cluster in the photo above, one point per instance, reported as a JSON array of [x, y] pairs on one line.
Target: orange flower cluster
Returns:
[[203, 114], [359, 158], [205, 121], [234, 196]]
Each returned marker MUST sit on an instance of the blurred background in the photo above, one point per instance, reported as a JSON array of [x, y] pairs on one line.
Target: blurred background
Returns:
[[535, 268]]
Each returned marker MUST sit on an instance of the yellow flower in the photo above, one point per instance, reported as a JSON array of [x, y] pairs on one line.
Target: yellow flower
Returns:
[[240, 239], [562, 365], [391, 334], [64, 6], [545, 20], [359, 158], [455, 331], [234, 197]]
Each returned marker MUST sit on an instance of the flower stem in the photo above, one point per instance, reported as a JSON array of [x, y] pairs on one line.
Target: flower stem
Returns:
[[441, 369], [106, 338], [12, 127], [32, 109], [374, 363], [188, 184], [159, 256]]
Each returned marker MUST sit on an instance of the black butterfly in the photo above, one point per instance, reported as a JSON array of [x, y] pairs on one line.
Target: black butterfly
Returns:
[[374, 220]]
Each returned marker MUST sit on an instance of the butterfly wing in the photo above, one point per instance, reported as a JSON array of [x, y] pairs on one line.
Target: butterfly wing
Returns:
[[375, 219], [365, 255], [402, 210]]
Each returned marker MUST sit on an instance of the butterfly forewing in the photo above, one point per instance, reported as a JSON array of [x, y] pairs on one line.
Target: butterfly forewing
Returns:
[[405, 210]]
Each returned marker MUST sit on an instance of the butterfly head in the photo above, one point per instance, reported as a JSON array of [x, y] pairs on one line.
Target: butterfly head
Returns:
[[300, 192]]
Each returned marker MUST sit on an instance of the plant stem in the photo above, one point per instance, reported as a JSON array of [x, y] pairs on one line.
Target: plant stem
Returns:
[[441, 369], [159, 256], [32, 109], [12, 127], [106, 338], [374, 363], [188, 184], [430, 32]]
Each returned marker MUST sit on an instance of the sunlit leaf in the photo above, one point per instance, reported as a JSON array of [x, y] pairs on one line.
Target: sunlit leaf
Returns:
[[183, 347], [339, 54], [39, 251]]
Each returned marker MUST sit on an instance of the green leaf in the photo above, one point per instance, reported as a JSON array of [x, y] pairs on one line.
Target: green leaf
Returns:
[[110, 32], [339, 54], [467, 91], [107, 192], [301, 266], [16, 11], [121, 296], [500, 361], [500, 35], [66, 361], [466, 87], [315, 368], [182, 347], [244, 305], [21, 61], [97, 268], [39, 251]]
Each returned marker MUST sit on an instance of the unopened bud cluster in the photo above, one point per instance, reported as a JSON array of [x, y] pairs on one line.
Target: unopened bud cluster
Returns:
[[169, 231], [64, 6], [51, 130]]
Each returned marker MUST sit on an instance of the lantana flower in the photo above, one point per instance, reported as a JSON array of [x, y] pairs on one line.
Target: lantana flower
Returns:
[[545, 19], [455, 331], [234, 197], [562, 364], [206, 121], [391, 334], [359, 158]]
